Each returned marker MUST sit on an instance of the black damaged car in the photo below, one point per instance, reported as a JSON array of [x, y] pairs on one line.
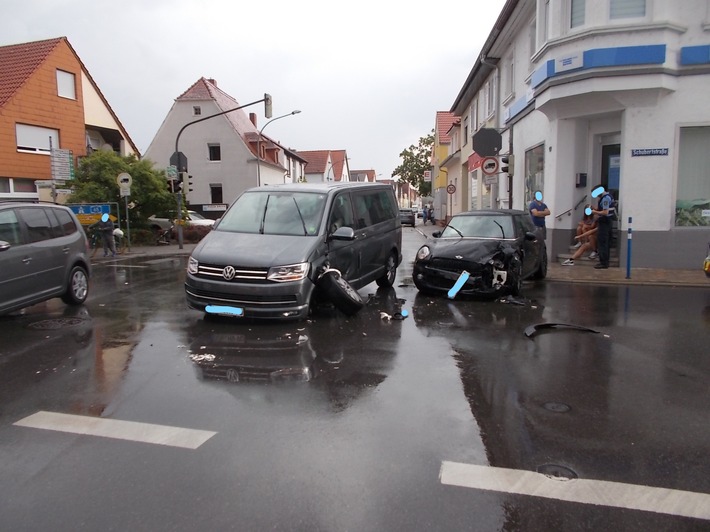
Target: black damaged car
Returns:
[[492, 250]]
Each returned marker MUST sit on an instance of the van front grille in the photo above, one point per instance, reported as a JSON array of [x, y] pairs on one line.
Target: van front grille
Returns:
[[241, 274]]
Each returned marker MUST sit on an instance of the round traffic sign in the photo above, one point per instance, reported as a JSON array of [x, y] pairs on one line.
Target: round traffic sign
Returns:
[[124, 179], [451, 189], [490, 165]]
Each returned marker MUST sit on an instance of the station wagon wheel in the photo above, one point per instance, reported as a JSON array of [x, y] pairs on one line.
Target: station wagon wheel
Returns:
[[387, 279], [343, 296], [77, 287]]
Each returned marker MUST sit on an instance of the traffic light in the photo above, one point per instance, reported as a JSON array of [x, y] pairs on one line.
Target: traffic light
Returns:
[[267, 105], [174, 186], [507, 164], [187, 182]]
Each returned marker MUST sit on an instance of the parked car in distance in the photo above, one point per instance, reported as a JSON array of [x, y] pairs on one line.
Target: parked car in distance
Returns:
[[43, 255], [280, 248], [498, 249], [166, 220], [407, 217]]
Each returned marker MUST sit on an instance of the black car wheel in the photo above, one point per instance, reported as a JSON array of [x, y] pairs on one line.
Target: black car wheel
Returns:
[[516, 274], [387, 279], [343, 296], [541, 272], [77, 287]]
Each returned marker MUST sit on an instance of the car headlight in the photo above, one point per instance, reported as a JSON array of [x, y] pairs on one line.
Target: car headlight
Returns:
[[192, 265], [423, 253], [291, 272]]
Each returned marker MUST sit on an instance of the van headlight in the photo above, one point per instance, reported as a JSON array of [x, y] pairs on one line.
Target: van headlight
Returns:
[[291, 272], [192, 265], [423, 253]]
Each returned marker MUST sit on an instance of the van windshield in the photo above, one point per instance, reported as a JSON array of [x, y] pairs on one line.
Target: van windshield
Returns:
[[275, 213]]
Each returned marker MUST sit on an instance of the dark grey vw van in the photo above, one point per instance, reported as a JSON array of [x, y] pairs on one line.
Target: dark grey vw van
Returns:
[[271, 253]]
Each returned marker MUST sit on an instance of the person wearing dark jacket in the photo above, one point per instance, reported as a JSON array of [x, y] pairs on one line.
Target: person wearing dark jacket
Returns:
[[605, 213], [105, 226]]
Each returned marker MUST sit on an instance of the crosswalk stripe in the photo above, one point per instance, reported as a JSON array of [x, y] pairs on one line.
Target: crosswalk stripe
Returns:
[[114, 428], [585, 491]]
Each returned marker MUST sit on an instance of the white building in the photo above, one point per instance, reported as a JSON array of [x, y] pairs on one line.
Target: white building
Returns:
[[221, 151], [599, 91]]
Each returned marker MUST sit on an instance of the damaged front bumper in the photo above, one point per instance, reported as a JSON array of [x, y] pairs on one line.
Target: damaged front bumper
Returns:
[[484, 280]]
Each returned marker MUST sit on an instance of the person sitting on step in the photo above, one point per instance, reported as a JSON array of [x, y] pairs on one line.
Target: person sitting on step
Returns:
[[587, 238]]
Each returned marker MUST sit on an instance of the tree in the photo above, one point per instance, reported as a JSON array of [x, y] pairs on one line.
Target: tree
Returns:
[[415, 161], [95, 182]]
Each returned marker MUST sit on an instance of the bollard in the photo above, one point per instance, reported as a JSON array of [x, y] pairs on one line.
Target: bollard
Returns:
[[628, 251]]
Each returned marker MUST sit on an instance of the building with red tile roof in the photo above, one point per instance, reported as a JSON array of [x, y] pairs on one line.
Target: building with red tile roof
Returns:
[[326, 165], [46, 93], [226, 151], [363, 176]]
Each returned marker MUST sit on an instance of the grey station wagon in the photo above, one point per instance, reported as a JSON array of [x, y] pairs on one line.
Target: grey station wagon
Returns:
[[43, 255], [279, 248]]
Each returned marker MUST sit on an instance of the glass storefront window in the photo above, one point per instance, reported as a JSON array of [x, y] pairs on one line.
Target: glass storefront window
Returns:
[[692, 207], [534, 171]]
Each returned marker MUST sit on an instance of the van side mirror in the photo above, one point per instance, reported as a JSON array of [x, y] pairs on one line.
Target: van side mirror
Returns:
[[436, 234], [343, 233]]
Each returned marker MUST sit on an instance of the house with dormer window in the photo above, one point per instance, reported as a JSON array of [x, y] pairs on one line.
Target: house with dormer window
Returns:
[[51, 114], [226, 154], [326, 165]]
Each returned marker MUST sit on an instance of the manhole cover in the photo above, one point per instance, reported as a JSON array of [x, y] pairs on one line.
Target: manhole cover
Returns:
[[558, 472], [57, 323], [559, 408]]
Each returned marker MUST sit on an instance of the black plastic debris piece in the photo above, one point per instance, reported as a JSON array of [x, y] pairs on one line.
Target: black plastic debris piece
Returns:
[[532, 330]]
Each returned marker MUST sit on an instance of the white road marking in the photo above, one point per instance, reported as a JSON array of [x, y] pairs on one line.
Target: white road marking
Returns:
[[585, 491], [114, 428]]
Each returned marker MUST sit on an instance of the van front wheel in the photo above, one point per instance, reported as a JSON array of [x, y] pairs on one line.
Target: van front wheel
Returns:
[[387, 279], [343, 296]]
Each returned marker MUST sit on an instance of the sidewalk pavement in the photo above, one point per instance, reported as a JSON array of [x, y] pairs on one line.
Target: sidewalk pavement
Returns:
[[555, 271]]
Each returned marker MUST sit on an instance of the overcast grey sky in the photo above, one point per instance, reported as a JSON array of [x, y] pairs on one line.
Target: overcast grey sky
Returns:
[[368, 76]]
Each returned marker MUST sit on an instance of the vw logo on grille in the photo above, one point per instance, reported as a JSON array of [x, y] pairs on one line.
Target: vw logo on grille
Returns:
[[228, 273], [459, 257]]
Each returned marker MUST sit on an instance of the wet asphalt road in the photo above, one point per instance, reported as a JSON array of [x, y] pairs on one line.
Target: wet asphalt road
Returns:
[[360, 445]]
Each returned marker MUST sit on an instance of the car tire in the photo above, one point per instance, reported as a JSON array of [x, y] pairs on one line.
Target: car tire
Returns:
[[77, 287], [541, 272], [343, 296], [516, 272], [387, 280]]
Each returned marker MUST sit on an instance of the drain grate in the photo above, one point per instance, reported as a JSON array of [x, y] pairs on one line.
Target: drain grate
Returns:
[[56, 323], [557, 472]]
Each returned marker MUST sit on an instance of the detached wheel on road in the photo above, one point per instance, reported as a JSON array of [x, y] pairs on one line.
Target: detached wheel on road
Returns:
[[77, 287], [343, 296]]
